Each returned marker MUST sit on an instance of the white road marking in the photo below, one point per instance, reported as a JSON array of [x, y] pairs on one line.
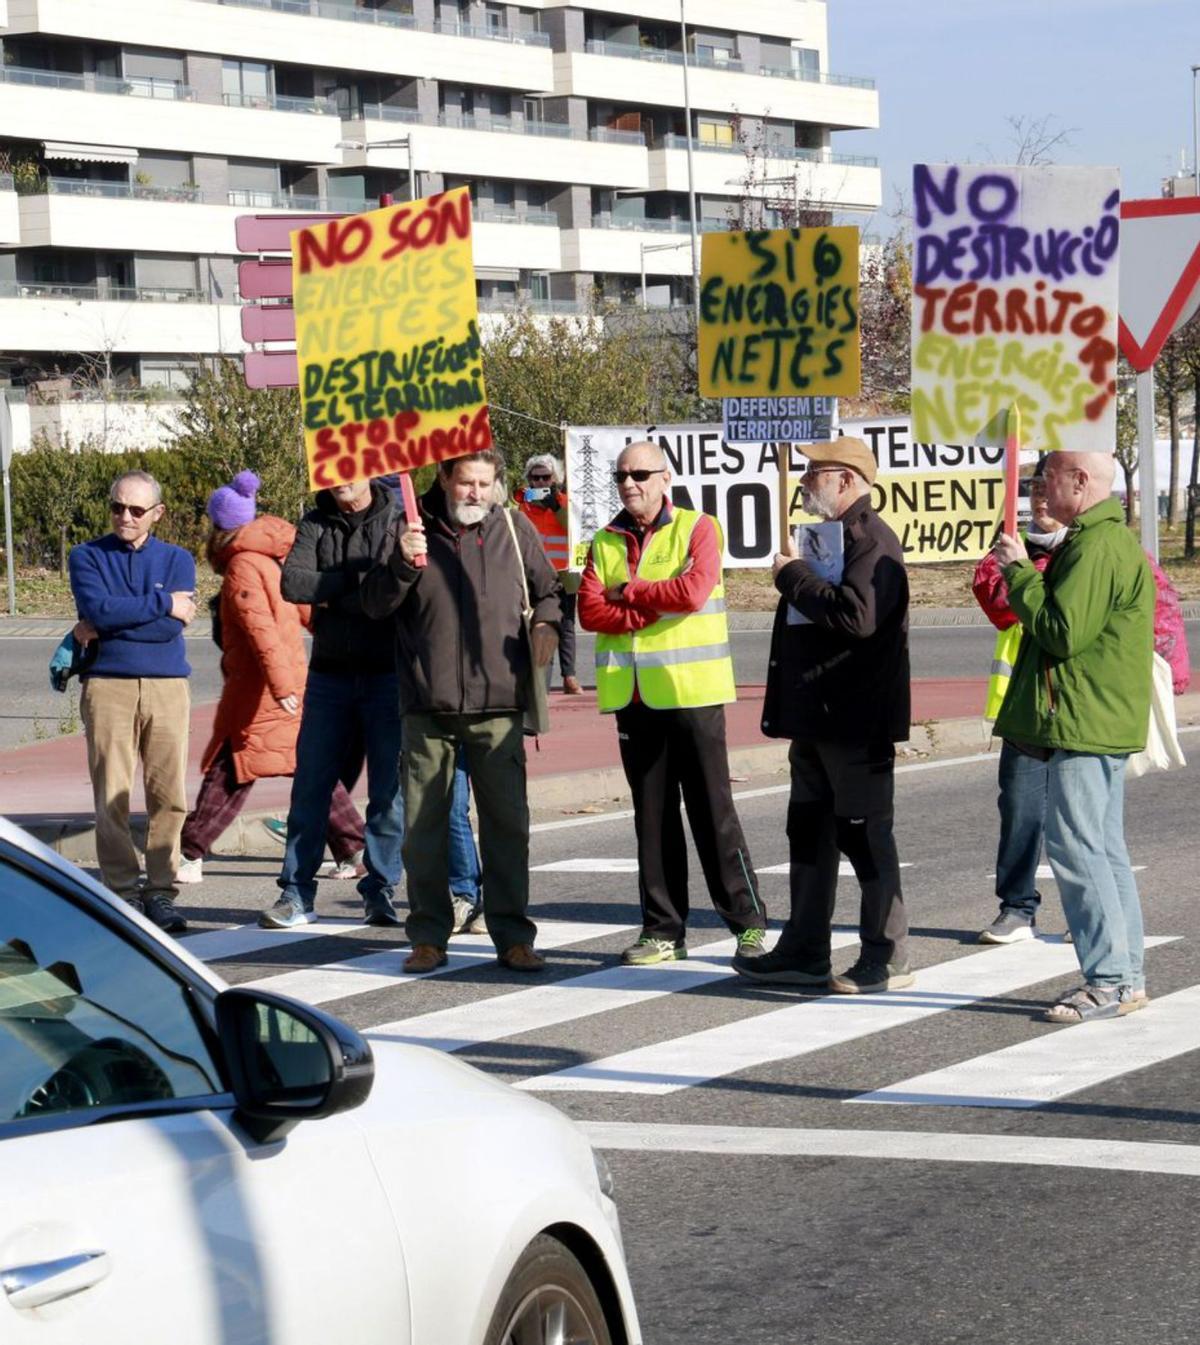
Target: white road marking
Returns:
[[1058, 1063], [1176, 1160], [845, 868], [587, 866], [381, 971], [215, 944], [546, 1006], [813, 1025]]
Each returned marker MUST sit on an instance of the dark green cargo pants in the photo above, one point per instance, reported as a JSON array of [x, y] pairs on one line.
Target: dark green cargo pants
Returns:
[[495, 752]]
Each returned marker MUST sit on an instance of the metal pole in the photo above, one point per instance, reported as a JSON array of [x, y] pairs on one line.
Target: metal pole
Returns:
[[412, 172], [1195, 135], [1147, 468], [645, 301], [6, 446], [687, 112]]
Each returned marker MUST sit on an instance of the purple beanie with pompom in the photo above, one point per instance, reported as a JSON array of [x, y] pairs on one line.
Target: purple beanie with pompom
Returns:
[[233, 505]]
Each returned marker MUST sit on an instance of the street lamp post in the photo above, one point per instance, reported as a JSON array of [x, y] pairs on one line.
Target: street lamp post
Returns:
[[654, 247], [1195, 134], [687, 112], [400, 142]]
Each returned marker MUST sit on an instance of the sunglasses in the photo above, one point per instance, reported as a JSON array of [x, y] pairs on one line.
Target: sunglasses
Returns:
[[640, 475], [133, 510], [540, 477]]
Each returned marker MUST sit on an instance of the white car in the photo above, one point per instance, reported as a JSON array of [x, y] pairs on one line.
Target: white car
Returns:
[[184, 1162]]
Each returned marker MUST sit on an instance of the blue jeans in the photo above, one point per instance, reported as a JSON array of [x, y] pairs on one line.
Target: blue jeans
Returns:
[[465, 872], [336, 707], [1085, 843], [1024, 781]]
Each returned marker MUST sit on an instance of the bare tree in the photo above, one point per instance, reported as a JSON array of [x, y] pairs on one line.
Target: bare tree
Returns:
[[1127, 431], [1188, 337], [1172, 378]]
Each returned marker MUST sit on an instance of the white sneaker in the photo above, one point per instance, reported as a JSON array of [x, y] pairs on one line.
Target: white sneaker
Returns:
[[190, 871], [348, 869], [463, 910]]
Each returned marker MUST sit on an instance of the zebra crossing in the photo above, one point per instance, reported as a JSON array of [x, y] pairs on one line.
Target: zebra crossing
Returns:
[[759, 1032]]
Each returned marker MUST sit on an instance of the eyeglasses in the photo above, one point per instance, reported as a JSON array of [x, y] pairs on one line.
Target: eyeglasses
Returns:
[[821, 471], [133, 510], [640, 475]]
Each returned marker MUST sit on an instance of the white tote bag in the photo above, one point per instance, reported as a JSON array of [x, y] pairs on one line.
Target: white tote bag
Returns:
[[1162, 751]]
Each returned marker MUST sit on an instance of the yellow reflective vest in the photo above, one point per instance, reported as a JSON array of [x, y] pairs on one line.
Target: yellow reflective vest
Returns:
[[681, 660], [1004, 656]]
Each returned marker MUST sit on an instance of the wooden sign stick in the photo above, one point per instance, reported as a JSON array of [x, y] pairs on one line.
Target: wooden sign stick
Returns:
[[1012, 469], [785, 462], [411, 512]]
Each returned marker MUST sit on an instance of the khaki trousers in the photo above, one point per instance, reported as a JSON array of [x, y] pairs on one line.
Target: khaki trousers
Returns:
[[127, 719]]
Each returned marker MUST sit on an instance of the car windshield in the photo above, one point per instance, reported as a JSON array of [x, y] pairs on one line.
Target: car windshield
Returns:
[[86, 1019]]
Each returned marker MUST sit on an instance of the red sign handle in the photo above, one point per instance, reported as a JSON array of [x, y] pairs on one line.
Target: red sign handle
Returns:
[[1012, 469], [411, 513]]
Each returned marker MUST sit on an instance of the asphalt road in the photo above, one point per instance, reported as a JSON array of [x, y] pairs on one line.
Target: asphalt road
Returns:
[[29, 710], [1045, 1194]]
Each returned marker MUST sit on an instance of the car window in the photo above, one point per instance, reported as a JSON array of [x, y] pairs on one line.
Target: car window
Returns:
[[86, 1018]]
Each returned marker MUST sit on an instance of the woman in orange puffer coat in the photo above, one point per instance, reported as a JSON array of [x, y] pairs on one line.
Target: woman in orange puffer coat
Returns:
[[265, 668]]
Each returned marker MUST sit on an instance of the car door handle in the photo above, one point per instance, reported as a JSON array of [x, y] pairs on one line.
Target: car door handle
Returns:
[[44, 1282]]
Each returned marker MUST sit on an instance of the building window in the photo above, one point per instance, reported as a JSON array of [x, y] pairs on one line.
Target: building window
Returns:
[[245, 82], [710, 131]]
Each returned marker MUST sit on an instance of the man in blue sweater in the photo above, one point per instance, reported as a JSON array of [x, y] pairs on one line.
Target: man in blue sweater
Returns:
[[134, 595]]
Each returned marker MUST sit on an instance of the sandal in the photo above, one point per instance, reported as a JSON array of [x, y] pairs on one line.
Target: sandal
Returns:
[[1086, 1003], [1132, 1000]]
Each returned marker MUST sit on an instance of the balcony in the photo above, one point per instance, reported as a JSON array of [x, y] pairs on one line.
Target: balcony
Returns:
[[777, 18], [839, 180], [71, 213], [476, 146], [323, 107], [90, 319], [318, 33], [648, 75], [621, 247], [112, 112]]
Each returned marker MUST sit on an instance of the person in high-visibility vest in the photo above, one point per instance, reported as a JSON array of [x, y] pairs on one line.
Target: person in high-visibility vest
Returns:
[[543, 501], [1023, 779], [652, 591]]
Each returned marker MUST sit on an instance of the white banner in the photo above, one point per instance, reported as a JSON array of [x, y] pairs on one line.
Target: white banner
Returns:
[[943, 500]]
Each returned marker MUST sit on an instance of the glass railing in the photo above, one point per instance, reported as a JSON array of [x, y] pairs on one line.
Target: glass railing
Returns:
[[6, 182], [516, 303], [816, 77], [284, 200], [663, 56], [136, 87], [670, 226], [453, 28], [794, 152], [328, 9], [473, 121], [606, 135], [707, 146], [49, 289], [538, 217], [280, 103], [123, 191]]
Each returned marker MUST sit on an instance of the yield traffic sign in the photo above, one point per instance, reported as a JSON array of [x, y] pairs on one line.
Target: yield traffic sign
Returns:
[[1159, 275]]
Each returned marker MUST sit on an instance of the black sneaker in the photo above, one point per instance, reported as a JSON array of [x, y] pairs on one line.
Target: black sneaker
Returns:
[[778, 968], [161, 911], [865, 978]]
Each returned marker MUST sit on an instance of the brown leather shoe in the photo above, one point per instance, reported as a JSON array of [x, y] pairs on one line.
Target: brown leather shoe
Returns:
[[521, 957], [571, 687], [424, 957]]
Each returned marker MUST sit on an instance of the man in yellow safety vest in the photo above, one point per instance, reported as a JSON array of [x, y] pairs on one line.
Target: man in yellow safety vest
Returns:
[[652, 591]]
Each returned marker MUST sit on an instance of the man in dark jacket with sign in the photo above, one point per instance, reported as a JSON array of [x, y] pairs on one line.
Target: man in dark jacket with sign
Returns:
[[464, 666], [350, 693], [838, 687]]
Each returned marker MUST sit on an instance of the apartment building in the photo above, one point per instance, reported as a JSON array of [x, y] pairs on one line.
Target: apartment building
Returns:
[[134, 132]]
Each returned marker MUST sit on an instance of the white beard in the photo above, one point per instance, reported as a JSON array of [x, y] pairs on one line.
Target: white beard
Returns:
[[466, 515]]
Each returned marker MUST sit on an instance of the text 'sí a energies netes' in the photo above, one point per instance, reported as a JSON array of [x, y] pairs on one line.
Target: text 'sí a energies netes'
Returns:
[[391, 373]]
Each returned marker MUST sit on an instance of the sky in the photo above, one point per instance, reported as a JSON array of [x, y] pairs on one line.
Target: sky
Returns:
[[1115, 74]]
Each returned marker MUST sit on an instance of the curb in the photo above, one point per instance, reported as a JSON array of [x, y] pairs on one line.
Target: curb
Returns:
[[551, 797]]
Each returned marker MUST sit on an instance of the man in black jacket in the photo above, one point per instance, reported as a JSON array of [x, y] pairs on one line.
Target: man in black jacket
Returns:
[[351, 694], [838, 687], [463, 665]]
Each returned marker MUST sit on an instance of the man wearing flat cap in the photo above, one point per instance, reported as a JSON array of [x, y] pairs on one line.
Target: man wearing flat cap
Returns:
[[838, 687]]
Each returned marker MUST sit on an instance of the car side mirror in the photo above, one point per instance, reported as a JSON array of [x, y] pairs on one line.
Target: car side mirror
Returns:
[[289, 1062]]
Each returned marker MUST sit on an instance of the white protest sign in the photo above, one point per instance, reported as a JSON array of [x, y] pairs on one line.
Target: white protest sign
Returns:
[[943, 501]]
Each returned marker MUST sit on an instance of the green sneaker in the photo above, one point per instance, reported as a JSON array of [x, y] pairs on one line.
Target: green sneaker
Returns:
[[647, 951], [750, 943]]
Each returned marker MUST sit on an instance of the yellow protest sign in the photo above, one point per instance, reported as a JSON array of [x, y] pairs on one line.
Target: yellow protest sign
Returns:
[[943, 501], [779, 312], [387, 339]]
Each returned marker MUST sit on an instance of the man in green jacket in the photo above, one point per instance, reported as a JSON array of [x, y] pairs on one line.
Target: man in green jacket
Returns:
[[1080, 700]]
